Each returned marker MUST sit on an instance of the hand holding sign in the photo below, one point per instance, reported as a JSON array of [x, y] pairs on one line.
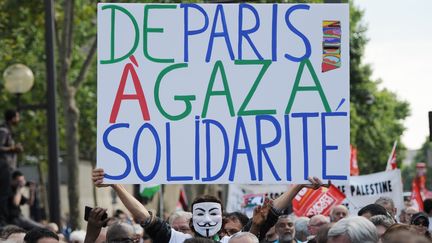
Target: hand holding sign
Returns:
[[98, 176], [315, 183], [286, 199]]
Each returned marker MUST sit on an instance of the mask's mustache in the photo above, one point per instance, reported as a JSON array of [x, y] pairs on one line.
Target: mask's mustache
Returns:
[[207, 225]]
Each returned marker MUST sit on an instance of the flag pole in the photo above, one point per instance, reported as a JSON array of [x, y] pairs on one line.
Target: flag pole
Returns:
[[161, 202]]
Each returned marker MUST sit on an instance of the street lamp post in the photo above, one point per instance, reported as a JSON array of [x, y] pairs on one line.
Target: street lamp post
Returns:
[[19, 79], [54, 191]]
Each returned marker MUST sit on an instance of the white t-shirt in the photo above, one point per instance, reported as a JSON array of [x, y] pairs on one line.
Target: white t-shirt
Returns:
[[430, 223], [179, 237]]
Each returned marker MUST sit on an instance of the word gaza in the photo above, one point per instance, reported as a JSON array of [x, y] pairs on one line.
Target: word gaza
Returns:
[[243, 110]]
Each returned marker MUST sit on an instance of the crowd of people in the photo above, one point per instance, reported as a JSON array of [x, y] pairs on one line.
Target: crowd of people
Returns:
[[207, 221]]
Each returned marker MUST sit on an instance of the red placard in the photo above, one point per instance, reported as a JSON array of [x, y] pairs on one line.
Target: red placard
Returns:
[[309, 202]]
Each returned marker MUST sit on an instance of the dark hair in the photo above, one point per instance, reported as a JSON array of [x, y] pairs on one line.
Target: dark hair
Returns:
[[118, 231], [373, 209], [16, 174], [427, 204], [38, 233], [118, 212], [206, 198], [241, 217], [198, 240], [10, 114], [10, 229], [419, 215]]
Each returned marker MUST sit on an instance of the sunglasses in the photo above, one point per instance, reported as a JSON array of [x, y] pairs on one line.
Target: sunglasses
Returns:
[[421, 223]]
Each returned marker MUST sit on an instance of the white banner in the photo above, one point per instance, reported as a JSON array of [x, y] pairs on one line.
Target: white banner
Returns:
[[366, 189], [223, 93]]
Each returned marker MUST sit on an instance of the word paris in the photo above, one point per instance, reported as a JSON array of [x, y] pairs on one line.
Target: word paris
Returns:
[[215, 93]]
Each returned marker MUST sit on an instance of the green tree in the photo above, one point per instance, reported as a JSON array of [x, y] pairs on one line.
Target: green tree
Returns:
[[424, 154], [22, 40], [376, 115], [76, 51]]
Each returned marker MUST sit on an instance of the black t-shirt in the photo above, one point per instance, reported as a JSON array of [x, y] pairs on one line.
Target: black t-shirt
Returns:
[[14, 211]]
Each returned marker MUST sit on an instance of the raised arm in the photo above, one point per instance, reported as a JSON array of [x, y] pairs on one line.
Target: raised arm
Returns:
[[139, 212], [95, 224], [280, 204], [285, 200], [158, 230]]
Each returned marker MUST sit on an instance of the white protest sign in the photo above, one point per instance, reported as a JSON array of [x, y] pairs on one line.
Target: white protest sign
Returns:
[[223, 93], [244, 198], [366, 189]]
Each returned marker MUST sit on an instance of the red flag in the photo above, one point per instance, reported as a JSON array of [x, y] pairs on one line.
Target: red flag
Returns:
[[309, 202], [183, 201], [416, 198], [354, 169], [421, 169], [391, 162]]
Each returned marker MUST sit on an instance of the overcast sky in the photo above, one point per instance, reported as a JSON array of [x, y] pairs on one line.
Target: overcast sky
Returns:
[[400, 51]]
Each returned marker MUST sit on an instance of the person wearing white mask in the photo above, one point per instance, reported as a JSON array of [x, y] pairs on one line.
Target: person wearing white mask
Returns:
[[207, 213]]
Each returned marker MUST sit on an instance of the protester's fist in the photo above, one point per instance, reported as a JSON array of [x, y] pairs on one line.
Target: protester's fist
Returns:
[[98, 176], [260, 212], [96, 217]]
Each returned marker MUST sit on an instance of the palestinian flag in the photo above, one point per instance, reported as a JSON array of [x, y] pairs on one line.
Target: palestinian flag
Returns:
[[149, 190]]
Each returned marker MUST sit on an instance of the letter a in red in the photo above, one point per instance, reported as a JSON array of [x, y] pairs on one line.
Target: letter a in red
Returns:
[[129, 69]]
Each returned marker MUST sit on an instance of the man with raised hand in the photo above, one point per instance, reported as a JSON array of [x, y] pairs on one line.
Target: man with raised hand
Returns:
[[206, 213]]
